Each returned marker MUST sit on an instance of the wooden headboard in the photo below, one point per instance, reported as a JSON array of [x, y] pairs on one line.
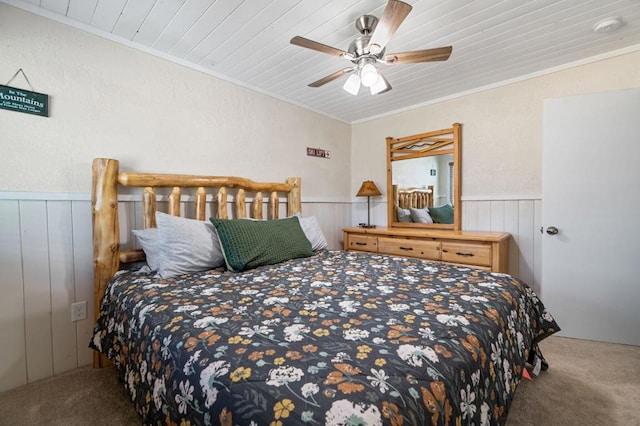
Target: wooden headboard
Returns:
[[417, 198], [107, 179]]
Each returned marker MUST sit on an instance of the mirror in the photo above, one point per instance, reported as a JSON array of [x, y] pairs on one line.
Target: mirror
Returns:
[[423, 180]]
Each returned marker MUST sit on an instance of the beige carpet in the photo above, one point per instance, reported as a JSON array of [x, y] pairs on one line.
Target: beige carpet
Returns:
[[588, 383]]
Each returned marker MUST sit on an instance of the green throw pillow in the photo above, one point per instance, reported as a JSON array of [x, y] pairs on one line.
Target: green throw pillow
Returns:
[[442, 214], [247, 244]]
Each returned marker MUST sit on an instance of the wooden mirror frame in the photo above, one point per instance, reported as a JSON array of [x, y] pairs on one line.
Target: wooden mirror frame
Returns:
[[437, 142]]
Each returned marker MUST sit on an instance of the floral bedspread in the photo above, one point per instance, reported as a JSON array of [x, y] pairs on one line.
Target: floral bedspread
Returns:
[[341, 338]]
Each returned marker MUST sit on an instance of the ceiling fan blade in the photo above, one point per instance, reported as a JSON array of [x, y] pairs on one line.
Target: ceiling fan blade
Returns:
[[392, 17], [314, 45], [427, 55], [331, 77]]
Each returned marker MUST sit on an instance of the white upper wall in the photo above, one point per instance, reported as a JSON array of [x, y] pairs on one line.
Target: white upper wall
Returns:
[[108, 100], [501, 129]]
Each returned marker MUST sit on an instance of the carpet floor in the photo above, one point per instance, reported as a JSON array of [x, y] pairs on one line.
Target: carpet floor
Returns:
[[588, 383]]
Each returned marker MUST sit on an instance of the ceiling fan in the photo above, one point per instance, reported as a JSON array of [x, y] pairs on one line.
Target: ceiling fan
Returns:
[[368, 49]]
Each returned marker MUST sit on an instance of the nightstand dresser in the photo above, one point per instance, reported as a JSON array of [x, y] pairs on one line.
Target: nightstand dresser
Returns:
[[485, 250]]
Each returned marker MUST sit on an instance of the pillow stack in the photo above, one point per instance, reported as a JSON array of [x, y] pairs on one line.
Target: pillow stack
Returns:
[[181, 246], [443, 214]]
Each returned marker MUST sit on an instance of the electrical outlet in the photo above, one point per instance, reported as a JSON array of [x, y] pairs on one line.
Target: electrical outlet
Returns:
[[78, 311]]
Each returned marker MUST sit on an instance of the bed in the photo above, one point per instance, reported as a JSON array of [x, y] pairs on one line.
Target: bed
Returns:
[[328, 337]]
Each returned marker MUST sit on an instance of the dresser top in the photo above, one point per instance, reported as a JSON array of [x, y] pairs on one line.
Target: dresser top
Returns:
[[431, 233]]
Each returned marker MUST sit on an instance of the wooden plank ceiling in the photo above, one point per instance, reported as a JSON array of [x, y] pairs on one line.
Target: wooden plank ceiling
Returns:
[[247, 42]]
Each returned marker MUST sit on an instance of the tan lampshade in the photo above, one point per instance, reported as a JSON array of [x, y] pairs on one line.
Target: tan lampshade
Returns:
[[368, 189]]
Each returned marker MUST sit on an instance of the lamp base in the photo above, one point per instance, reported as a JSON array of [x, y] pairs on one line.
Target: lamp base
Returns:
[[364, 225]]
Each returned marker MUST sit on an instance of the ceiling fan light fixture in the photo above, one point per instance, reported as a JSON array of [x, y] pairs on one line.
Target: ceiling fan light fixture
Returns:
[[381, 85], [368, 49], [374, 49], [352, 85], [369, 75]]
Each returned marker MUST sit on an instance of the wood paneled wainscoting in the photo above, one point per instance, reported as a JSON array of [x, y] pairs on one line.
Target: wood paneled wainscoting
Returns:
[[519, 217], [46, 265]]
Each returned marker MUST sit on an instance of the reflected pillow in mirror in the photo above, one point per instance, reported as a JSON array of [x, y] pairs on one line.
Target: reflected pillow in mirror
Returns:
[[420, 215], [404, 215], [442, 214]]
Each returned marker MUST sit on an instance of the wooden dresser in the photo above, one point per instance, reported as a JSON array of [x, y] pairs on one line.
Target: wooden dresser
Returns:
[[485, 250]]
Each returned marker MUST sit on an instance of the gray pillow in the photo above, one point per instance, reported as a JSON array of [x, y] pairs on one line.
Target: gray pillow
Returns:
[[420, 215], [311, 228], [148, 239], [186, 245], [404, 215]]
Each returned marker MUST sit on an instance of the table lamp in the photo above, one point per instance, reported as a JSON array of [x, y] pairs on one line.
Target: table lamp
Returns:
[[368, 189]]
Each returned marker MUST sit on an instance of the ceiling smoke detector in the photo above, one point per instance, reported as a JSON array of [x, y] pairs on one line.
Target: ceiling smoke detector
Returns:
[[607, 25]]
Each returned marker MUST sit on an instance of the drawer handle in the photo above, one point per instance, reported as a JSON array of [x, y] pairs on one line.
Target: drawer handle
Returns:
[[406, 248], [360, 244], [465, 254]]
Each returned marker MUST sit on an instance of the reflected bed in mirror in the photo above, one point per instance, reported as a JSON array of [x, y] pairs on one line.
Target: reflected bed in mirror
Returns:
[[423, 179]]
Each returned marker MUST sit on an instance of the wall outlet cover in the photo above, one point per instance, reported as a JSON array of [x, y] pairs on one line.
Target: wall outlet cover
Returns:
[[78, 311]]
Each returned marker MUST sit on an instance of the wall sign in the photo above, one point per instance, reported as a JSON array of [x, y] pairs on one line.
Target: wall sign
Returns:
[[21, 100], [317, 152]]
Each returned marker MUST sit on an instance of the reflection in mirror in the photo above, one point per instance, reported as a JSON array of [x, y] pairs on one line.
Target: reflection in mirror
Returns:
[[432, 174], [423, 179]]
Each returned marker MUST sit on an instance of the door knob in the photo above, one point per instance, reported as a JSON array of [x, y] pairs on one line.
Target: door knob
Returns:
[[552, 230]]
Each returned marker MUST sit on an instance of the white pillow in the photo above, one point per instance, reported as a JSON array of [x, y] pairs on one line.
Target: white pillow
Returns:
[[404, 215], [148, 239], [311, 228], [420, 215], [186, 245]]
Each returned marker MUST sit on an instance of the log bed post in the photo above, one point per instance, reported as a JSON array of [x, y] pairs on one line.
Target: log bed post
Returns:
[[293, 197], [106, 238]]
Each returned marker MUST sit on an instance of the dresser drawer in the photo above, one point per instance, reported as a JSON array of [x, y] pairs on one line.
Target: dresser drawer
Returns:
[[411, 248], [362, 243], [467, 253]]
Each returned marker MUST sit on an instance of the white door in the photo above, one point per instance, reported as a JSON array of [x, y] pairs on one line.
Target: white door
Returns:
[[591, 194]]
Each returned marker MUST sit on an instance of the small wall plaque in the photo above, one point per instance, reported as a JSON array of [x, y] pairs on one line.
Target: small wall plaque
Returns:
[[21, 100], [317, 152]]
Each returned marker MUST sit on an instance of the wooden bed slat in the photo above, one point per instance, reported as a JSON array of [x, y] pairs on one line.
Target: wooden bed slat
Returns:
[[274, 205], [134, 255], [148, 208], [222, 203], [294, 203], [201, 204], [174, 201], [241, 204], [257, 206]]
